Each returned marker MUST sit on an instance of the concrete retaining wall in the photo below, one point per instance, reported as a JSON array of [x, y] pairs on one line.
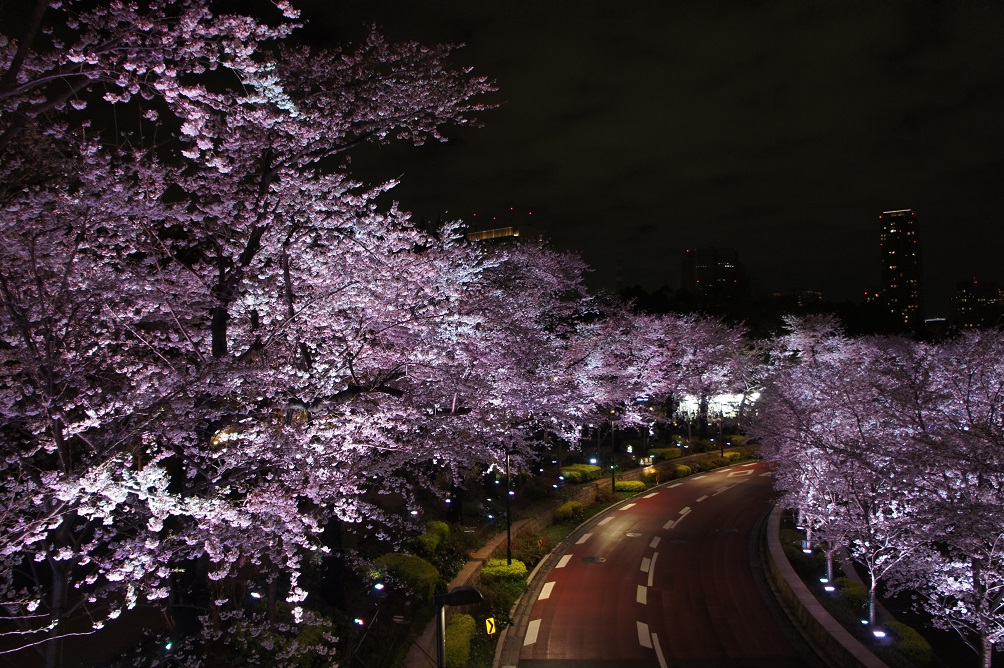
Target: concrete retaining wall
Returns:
[[843, 649]]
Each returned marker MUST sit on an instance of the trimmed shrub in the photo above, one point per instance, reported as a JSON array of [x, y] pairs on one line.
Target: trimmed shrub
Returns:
[[498, 569], [499, 597], [459, 632], [681, 471], [913, 645], [414, 573], [662, 454], [530, 548], [436, 533], [737, 440], [629, 486], [569, 512], [733, 456], [577, 473], [853, 592]]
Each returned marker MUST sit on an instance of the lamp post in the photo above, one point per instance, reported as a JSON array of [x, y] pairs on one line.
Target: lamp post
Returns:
[[508, 518], [456, 596]]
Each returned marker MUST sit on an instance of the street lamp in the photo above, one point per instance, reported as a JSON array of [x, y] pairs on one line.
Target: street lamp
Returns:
[[456, 596], [508, 518]]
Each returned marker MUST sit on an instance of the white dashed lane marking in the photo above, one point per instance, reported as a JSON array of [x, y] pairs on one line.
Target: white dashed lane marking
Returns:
[[564, 561], [583, 539], [644, 637], [532, 629]]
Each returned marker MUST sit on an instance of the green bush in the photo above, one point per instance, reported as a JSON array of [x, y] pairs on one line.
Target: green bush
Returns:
[[681, 471], [663, 454], [577, 473], [499, 597], [733, 456], [436, 533], [498, 569], [913, 645], [737, 440], [705, 445], [853, 592], [459, 632], [414, 573], [569, 512], [530, 548], [629, 486]]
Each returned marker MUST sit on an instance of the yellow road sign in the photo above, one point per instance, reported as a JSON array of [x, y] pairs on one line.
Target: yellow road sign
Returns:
[[490, 625]]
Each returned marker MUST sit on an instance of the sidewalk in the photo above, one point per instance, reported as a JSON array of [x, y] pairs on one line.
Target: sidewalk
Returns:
[[422, 653]]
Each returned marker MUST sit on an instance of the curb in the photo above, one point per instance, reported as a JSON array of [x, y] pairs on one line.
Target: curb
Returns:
[[840, 647]]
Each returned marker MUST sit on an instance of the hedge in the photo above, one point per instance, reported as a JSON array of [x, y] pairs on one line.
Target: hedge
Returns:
[[681, 470], [459, 632], [498, 569], [436, 533], [853, 592], [577, 473], [913, 645], [629, 486], [415, 573], [733, 456], [569, 512], [662, 454]]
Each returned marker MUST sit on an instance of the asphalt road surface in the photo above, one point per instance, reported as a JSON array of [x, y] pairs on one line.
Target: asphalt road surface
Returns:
[[671, 579]]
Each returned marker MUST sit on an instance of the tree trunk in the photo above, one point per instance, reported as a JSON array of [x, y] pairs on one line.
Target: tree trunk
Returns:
[[986, 652], [702, 416], [57, 605], [219, 329], [871, 606]]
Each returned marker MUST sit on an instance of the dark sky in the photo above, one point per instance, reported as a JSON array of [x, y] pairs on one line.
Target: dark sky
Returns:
[[634, 130]]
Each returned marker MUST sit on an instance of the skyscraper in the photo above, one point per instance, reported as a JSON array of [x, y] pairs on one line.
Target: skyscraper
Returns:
[[715, 275], [978, 303], [901, 270]]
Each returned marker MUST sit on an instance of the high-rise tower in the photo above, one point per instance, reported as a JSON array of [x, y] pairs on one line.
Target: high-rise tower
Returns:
[[901, 274]]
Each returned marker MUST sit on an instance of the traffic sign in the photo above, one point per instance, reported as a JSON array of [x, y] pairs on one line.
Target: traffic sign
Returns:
[[490, 625]]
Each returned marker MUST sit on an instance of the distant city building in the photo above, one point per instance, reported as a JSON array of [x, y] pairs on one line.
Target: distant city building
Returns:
[[978, 303], [492, 228], [508, 232], [798, 299], [715, 275], [901, 292]]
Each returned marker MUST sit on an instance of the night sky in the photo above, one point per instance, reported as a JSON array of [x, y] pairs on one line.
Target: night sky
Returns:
[[636, 130]]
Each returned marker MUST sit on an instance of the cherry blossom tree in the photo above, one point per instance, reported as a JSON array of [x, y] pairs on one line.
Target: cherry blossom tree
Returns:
[[825, 419], [962, 580], [207, 324]]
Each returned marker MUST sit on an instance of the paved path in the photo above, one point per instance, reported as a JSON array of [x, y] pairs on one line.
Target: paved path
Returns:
[[422, 653]]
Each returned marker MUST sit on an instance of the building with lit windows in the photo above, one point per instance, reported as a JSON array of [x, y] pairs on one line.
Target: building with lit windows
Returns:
[[714, 275], [978, 303], [901, 294]]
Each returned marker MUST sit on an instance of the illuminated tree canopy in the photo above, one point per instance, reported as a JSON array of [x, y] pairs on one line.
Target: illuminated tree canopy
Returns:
[[214, 341], [893, 449]]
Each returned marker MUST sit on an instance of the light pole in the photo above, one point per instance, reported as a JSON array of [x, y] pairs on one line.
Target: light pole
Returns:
[[457, 596], [508, 519]]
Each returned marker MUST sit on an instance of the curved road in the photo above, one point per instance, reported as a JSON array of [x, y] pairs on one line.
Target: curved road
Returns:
[[669, 579]]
